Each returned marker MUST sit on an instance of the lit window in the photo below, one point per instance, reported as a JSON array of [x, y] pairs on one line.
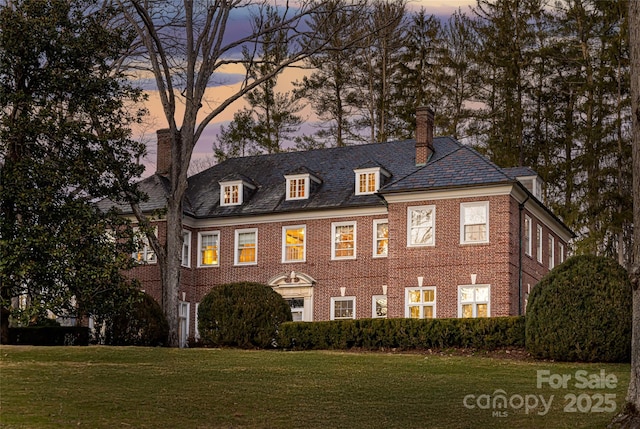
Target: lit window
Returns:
[[297, 187], [209, 249], [293, 243], [145, 253], [552, 252], [367, 181], [379, 306], [420, 226], [473, 301], [474, 222], [230, 193], [539, 243], [246, 247], [343, 245], [381, 239], [186, 248], [343, 308], [527, 235], [420, 302]]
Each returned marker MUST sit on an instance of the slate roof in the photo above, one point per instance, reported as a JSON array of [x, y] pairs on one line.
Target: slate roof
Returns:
[[520, 172]]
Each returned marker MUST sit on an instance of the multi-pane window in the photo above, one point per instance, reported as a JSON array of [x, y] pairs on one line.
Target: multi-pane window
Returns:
[[230, 193], [474, 222], [145, 253], [420, 302], [379, 306], [209, 249], [367, 181], [420, 226], [343, 308], [539, 243], [381, 238], [297, 308], [297, 187], [343, 245], [246, 247], [527, 235], [186, 248], [293, 243], [552, 252], [473, 301]]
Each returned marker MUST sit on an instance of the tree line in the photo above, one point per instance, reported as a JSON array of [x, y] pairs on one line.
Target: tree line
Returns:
[[527, 82]]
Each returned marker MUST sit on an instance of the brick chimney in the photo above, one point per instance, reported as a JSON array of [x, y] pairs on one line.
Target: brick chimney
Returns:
[[163, 157], [424, 134]]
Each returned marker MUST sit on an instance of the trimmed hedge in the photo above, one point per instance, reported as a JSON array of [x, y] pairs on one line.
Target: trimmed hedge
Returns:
[[581, 311], [246, 315], [49, 336], [404, 334], [140, 322]]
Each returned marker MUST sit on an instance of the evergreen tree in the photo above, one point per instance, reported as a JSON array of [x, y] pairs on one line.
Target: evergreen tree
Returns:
[[64, 142]]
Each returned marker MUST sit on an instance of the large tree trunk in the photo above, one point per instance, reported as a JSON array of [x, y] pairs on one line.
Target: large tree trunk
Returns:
[[630, 415]]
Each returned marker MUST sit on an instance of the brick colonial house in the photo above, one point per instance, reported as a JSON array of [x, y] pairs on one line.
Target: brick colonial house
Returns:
[[417, 228]]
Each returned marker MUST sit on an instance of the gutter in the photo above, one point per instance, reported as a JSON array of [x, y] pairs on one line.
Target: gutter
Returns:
[[520, 210]]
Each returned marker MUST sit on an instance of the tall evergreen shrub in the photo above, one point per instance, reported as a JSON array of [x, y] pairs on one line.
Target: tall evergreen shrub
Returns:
[[246, 315], [581, 311]]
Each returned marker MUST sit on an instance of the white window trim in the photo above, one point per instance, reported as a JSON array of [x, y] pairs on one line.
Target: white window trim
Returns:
[[307, 183], [237, 183], [433, 225], [200, 234], [407, 313], [463, 206], [474, 302], [552, 252], [186, 236], [367, 171], [181, 316], [374, 298], [146, 248], [334, 225], [236, 252], [539, 245], [377, 222], [528, 230], [342, 298], [284, 244]]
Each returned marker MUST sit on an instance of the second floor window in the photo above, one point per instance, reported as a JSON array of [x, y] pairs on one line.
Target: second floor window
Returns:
[[381, 239], [539, 243], [293, 243], [420, 226], [527, 235], [186, 248], [145, 253], [209, 245], [474, 222], [343, 245], [246, 247], [552, 252]]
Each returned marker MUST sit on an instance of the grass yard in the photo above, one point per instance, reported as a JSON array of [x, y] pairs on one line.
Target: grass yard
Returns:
[[112, 387]]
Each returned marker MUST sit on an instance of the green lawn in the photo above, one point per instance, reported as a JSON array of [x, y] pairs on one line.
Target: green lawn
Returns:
[[113, 387]]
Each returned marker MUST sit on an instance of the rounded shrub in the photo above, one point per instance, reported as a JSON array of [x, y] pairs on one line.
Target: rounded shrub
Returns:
[[581, 311], [246, 315], [139, 322]]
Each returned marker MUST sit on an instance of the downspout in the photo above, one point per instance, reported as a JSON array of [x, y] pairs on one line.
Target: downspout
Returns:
[[520, 210]]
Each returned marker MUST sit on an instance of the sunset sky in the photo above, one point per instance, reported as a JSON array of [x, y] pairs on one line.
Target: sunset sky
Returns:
[[227, 85]]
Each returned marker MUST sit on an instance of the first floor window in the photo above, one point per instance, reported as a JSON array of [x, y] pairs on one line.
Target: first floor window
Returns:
[[297, 308], [420, 302], [474, 222], [343, 308], [344, 240], [420, 226], [209, 245], [381, 239], [379, 306], [186, 248], [473, 301], [293, 243], [246, 246]]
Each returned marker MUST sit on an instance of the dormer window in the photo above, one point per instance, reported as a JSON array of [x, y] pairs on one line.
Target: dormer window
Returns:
[[231, 193], [298, 187], [367, 181]]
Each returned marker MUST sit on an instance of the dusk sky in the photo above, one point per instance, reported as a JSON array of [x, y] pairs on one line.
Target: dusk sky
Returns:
[[226, 85]]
